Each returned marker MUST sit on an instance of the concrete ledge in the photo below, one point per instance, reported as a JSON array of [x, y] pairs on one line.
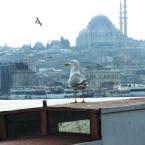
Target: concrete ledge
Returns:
[[91, 143], [122, 108]]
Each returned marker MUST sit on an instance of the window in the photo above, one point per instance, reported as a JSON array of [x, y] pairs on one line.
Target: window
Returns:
[[69, 122], [79, 126]]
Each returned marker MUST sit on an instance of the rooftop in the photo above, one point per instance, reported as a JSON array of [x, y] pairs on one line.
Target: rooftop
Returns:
[[102, 104], [58, 124], [90, 103], [7, 105]]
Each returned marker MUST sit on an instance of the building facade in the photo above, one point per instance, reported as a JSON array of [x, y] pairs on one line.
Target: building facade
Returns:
[[23, 78], [6, 77], [12, 74], [99, 78]]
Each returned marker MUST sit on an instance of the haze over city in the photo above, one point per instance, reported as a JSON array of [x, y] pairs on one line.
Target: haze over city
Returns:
[[61, 18]]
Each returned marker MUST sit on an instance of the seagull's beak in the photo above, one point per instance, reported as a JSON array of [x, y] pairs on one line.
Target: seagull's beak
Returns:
[[67, 64]]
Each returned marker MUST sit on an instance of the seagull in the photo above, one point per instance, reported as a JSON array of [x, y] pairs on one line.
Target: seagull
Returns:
[[38, 21], [76, 81]]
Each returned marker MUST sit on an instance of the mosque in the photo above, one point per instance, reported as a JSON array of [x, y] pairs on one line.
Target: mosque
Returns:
[[101, 32], [107, 44]]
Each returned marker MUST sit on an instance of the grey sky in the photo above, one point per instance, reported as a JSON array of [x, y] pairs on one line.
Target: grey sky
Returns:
[[62, 18]]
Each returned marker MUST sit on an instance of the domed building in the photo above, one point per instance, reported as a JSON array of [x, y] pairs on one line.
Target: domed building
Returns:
[[100, 32], [102, 43]]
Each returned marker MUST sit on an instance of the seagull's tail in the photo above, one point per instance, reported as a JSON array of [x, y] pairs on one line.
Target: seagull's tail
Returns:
[[83, 83]]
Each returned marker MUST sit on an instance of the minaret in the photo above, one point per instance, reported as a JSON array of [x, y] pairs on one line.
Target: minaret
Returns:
[[125, 18], [120, 18]]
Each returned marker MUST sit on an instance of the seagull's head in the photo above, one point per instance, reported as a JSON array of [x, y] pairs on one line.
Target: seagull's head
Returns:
[[74, 64]]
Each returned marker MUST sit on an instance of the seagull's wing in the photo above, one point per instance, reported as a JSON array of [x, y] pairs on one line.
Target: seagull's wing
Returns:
[[76, 79]]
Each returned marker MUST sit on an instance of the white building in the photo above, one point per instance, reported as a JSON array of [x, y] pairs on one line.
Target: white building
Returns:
[[99, 77]]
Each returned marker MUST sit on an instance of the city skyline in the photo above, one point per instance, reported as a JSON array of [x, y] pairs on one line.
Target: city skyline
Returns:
[[61, 18]]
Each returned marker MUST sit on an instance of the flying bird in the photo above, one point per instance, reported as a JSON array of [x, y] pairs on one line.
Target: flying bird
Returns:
[[37, 21], [76, 81]]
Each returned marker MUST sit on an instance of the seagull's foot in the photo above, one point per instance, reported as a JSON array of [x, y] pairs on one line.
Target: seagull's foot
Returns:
[[83, 101], [75, 101]]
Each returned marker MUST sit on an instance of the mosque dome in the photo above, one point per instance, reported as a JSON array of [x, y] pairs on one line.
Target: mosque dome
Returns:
[[99, 31], [100, 21]]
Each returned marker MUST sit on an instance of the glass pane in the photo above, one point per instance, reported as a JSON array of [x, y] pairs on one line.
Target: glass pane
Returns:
[[79, 126], [67, 122]]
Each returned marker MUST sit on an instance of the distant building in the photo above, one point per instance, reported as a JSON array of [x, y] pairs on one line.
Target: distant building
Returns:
[[26, 47], [99, 77], [12, 74], [5, 77], [39, 46], [100, 32], [102, 40], [23, 78], [22, 75], [60, 44]]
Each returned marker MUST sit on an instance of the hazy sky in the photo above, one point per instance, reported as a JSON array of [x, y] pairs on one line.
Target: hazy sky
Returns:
[[62, 18]]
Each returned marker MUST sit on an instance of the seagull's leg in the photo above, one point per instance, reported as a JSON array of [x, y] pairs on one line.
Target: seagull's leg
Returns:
[[75, 97], [83, 101]]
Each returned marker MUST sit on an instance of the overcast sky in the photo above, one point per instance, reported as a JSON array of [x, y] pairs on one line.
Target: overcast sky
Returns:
[[62, 18]]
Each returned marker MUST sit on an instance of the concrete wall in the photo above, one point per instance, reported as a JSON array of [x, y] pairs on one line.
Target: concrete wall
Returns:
[[123, 125]]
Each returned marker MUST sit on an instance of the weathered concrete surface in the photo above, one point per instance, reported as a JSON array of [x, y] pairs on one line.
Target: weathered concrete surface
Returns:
[[123, 125], [91, 143]]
